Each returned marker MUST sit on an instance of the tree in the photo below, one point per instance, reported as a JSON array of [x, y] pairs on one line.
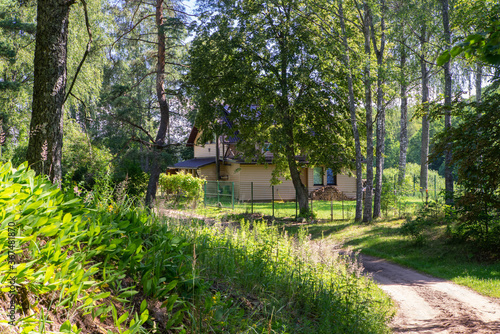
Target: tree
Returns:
[[447, 102], [49, 88], [261, 59], [475, 144], [380, 146], [352, 109], [148, 44]]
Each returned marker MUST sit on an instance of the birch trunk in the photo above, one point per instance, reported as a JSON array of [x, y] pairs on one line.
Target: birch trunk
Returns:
[[380, 149], [424, 152], [448, 175], [403, 133], [367, 212], [354, 124], [479, 79]]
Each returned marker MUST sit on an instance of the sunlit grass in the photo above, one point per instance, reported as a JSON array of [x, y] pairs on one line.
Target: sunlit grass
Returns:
[[437, 256], [286, 284]]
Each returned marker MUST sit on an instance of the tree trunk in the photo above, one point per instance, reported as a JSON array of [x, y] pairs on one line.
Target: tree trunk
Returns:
[[448, 175], [164, 109], [46, 129], [300, 188], [217, 157], [367, 213], [479, 79], [354, 123], [403, 133], [424, 152], [380, 149]]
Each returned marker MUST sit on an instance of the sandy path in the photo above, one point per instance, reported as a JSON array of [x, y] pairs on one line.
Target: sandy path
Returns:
[[432, 305]]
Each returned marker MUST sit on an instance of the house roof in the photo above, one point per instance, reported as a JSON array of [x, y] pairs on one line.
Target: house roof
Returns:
[[195, 163]]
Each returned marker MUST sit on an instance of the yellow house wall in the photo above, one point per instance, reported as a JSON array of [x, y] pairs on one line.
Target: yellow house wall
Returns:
[[208, 172], [204, 151], [261, 178], [233, 175]]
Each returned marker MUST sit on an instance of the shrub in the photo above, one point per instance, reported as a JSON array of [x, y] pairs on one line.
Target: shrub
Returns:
[[182, 185]]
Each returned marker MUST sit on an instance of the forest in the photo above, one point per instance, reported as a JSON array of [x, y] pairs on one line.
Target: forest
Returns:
[[98, 99]]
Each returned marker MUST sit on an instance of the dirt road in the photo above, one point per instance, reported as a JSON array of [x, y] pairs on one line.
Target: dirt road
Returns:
[[432, 305]]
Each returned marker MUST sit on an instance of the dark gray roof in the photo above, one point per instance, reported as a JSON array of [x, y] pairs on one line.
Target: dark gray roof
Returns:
[[195, 163]]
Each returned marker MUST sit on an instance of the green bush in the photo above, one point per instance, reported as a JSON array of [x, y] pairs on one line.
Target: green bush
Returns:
[[74, 260], [182, 185]]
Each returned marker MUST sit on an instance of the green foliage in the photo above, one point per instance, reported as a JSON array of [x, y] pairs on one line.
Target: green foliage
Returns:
[[283, 284], [484, 43], [277, 80], [79, 259], [428, 215], [411, 184], [475, 143], [182, 185], [83, 162]]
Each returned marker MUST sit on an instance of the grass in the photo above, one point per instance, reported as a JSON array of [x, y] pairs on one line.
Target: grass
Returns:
[[282, 284], [437, 256], [287, 210]]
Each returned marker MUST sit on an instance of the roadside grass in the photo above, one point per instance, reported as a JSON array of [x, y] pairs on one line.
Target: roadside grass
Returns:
[[271, 282], [437, 256]]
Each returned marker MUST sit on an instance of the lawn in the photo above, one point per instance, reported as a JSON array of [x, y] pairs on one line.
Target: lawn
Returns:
[[322, 209], [437, 256]]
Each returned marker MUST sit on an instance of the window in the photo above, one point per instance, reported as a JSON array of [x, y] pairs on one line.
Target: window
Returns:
[[318, 176], [331, 179]]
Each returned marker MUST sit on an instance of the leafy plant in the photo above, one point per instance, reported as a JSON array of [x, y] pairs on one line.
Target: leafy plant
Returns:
[[182, 185]]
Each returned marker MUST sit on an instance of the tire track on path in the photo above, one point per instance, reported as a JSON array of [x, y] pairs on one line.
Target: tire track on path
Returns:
[[431, 305]]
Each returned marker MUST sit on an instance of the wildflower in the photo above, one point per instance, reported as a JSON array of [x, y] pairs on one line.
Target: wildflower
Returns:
[[110, 208]]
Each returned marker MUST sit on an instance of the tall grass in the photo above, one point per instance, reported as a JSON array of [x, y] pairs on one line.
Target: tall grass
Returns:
[[286, 284]]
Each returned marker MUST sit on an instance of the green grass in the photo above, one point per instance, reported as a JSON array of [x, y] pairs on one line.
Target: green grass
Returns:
[[287, 210], [282, 284], [437, 256]]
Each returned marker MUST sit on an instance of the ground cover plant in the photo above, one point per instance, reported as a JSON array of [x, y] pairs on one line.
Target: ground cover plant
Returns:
[[432, 250], [287, 284], [78, 267], [94, 264]]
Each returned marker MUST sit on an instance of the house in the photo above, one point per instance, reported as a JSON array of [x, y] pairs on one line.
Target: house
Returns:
[[252, 177]]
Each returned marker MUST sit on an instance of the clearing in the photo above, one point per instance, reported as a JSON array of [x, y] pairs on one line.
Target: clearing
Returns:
[[425, 304]]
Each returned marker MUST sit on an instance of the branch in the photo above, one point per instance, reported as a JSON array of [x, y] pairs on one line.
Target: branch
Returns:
[[135, 126], [87, 50], [128, 31], [157, 146]]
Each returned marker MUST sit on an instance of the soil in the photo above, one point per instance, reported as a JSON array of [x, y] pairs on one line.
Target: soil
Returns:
[[432, 305]]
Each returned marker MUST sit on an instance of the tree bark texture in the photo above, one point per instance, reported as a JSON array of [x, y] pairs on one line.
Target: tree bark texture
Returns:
[[403, 132], [448, 174], [424, 152], [380, 148], [367, 212], [479, 79], [354, 123], [46, 129], [164, 108]]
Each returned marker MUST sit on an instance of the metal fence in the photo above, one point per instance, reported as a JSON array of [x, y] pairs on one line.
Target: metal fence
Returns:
[[219, 193], [280, 201]]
